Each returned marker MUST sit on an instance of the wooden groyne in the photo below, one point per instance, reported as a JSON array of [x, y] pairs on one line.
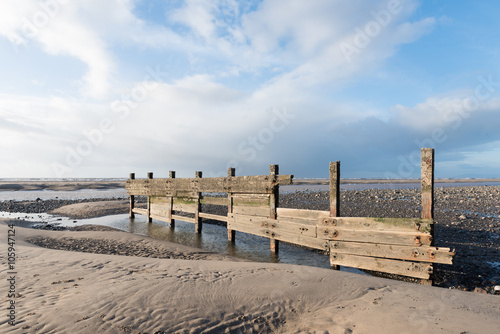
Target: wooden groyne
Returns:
[[402, 246]]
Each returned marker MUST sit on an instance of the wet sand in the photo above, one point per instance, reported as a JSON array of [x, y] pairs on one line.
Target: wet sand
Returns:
[[79, 291]]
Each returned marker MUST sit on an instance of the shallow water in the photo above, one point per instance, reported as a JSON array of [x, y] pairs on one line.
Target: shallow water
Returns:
[[213, 238], [33, 195]]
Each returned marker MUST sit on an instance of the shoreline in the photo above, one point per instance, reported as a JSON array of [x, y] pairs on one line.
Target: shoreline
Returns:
[[120, 184]]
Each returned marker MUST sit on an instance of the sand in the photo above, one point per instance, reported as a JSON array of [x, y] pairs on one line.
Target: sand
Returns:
[[199, 292], [93, 209]]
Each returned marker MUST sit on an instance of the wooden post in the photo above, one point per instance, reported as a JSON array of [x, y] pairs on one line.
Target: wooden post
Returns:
[[427, 184], [334, 195], [197, 219], [231, 234], [171, 203], [132, 199], [335, 189], [150, 220], [274, 202]]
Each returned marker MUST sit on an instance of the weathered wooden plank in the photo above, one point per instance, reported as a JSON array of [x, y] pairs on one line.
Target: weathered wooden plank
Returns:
[[264, 184], [287, 226], [160, 209], [197, 219], [385, 224], [427, 180], [231, 234], [405, 268], [295, 239], [262, 211], [184, 208], [141, 211], [410, 253], [213, 217], [184, 201], [315, 215], [335, 189], [284, 180], [160, 200], [183, 218], [214, 200], [132, 199], [251, 199], [161, 218], [382, 237]]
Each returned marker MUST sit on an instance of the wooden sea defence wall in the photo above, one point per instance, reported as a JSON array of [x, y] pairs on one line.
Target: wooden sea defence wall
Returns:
[[401, 246]]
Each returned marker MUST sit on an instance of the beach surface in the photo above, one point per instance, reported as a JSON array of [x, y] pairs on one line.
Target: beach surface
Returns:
[[95, 279], [129, 288]]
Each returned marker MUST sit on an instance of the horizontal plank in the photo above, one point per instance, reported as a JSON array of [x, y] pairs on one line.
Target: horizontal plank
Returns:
[[386, 224], [140, 211], [184, 219], [237, 184], [405, 268], [213, 217], [185, 208], [421, 253], [159, 200], [278, 225], [314, 215], [215, 200], [261, 211], [251, 200], [382, 237], [184, 201], [161, 218], [296, 239], [159, 211]]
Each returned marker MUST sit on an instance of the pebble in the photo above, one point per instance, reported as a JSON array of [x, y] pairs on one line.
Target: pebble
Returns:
[[480, 290]]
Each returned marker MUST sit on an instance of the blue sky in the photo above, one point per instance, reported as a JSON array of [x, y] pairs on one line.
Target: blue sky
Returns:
[[104, 88]]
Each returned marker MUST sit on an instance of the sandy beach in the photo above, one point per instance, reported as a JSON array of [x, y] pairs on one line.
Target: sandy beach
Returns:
[[60, 291], [95, 279]]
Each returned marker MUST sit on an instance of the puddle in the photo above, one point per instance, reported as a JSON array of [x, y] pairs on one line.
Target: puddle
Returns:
[[213, 238]]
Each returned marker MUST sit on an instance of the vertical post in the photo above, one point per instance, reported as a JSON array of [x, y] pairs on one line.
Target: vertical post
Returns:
[[335, 189], [197, 219], [171, 203], [150, 220], [427, 155], [427, 184], [132, 199], [274, 202], [334, 196], [231, 234]]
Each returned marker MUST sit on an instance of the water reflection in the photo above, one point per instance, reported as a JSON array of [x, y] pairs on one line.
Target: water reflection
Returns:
[[213, 238]]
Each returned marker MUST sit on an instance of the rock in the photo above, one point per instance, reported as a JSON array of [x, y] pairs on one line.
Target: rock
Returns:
[[496, 289], [462, 217], [480, 290]]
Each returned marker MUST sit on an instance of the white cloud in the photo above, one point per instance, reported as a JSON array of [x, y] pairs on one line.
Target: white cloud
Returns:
[[236, 64]]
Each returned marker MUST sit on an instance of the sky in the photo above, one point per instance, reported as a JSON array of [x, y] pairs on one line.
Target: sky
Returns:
[[105, 88]]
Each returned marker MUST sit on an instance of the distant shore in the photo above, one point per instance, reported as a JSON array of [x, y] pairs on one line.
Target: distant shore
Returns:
[[377, 181], [64, 185]]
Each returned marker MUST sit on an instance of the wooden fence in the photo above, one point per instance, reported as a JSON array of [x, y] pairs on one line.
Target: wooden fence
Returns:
[[402, 246]]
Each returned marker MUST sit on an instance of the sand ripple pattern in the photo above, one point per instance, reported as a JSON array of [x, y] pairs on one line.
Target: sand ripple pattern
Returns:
[[112, 247]]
